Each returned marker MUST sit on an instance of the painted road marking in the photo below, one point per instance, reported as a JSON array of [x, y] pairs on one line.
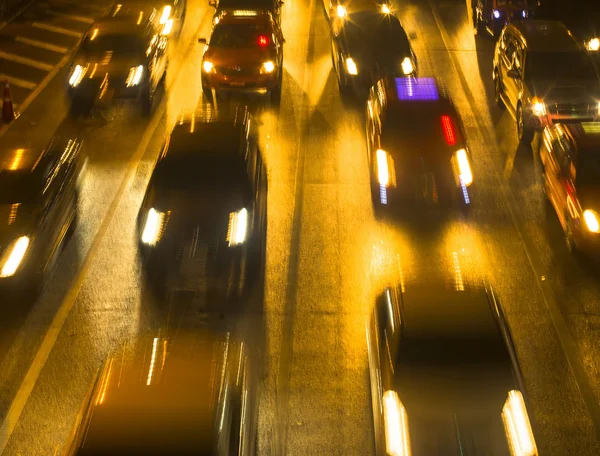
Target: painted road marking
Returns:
[[41, 45], [25, 61], [73, 17], [17, 82], [56, 29]]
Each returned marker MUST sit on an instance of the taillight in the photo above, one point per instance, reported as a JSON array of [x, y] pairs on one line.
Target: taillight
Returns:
[[263, 40], [448, 130]]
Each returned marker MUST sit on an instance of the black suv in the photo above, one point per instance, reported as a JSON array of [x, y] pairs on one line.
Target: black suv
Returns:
[[543, 75], [122, 56], [203, 222], [38, 208]]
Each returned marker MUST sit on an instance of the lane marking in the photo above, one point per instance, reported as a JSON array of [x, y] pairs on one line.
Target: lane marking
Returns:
[[25, 61], [567, 343], [17, 82], [41, 45], [56, 29], [72, 17]]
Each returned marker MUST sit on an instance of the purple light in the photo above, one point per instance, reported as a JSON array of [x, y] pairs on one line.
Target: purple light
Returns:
[[417, 89]]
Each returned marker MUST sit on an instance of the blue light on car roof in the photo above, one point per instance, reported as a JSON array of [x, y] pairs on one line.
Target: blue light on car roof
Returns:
[[417, 89]]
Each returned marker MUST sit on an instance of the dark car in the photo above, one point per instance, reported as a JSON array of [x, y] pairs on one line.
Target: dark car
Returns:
[[123, 56], [367, 45], [543, 76], [582, 18], [202, 225], [492, 15], [38, 210], [171, 13], [416, 146], [570, 154], [244, 54], [185, 395], [444, 374], [272, 6]]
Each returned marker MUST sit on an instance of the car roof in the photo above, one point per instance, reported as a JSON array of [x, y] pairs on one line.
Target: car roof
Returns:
[[435, 312], [585, 134], [546, 35], [244, 16], [418, 90], [162, 394]]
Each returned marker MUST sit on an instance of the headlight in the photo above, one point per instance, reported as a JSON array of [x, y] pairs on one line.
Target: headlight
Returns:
[[153, 228], [238, 226], [135, 76], [593, 44], [207, 66], [383, 170], [13, 256], [407, 66], [351, 66], [538, 107], [341, 12], [591, 221], [517, 425], [77, 75], [268, 67], [397, 438], [166, 14], [496, 14], [168, 27], [464, 167], [385, 9]]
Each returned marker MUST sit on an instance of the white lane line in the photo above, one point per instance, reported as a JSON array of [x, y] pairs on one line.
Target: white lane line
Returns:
[[73, 17], [56, 29], [41, 45], [25, 61], [18, 82]]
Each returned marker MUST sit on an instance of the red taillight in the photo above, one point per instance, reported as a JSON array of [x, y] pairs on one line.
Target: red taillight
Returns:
[[448, 130], [263, 40]]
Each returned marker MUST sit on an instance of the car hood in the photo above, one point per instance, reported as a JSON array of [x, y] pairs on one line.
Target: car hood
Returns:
[[568, 90], [99, 65], [225, 57]]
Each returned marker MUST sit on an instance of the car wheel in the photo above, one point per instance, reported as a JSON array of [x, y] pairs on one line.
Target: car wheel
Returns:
[[569, 236], [498, 90], [524, 133]]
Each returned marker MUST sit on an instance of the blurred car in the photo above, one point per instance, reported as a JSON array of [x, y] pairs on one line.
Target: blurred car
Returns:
[[444, 374], [38, 211], [123, 56], [367, 45], [243, 54], [492, 15], [185, 395], [203, 222], [543, 75], [339, 9], [416, 146], [582, 18], [570, 154], [271, 6], [171, 13]]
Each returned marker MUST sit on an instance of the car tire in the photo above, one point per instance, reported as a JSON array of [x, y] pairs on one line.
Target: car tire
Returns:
[[498, 90], [524, 133], [571, 246]]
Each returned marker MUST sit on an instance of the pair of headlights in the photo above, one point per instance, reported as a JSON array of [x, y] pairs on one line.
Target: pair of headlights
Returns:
[[237, 229], [134, 76], [406, 65], [267, 67]]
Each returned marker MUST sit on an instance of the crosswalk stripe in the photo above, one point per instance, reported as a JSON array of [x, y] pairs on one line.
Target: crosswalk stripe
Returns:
[[41, 44], [25, 61], [73, 17], [55, 29], [17, 82]]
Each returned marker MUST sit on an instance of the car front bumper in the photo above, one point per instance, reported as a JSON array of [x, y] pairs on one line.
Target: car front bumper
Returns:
[[259, 83]]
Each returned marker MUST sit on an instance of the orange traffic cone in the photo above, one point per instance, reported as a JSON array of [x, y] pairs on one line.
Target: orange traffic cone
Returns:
[[8, 113]]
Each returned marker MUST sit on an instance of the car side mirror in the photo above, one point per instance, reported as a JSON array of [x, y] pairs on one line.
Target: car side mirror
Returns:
[[212, 3], [202, 40], [514, 73]]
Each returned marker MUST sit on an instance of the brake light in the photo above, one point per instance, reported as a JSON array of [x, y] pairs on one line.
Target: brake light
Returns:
[[448, 130], [263, 40]]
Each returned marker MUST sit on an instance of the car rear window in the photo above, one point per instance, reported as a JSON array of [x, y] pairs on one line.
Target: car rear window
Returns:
[[243, 35]]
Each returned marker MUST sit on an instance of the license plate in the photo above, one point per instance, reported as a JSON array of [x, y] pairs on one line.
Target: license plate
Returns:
[[237, 84]]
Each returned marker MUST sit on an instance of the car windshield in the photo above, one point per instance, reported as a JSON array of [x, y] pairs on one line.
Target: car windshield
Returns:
[[445, 351], [238, 36], [121, 44], [565, 65], [377, 33]]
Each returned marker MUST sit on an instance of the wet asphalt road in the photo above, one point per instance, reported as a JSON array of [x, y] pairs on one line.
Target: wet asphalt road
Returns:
[[327, 255]]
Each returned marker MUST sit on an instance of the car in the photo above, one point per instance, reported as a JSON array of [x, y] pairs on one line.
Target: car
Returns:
[[570, 155], [582, 19], [243, 55], [123, 56], [543, 76], [202, 225], [339, 9], [367, 45], [444, 375], [271, 6], [187, 394], [38, 205], [492, 15], [416, 146], [171, 13]]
